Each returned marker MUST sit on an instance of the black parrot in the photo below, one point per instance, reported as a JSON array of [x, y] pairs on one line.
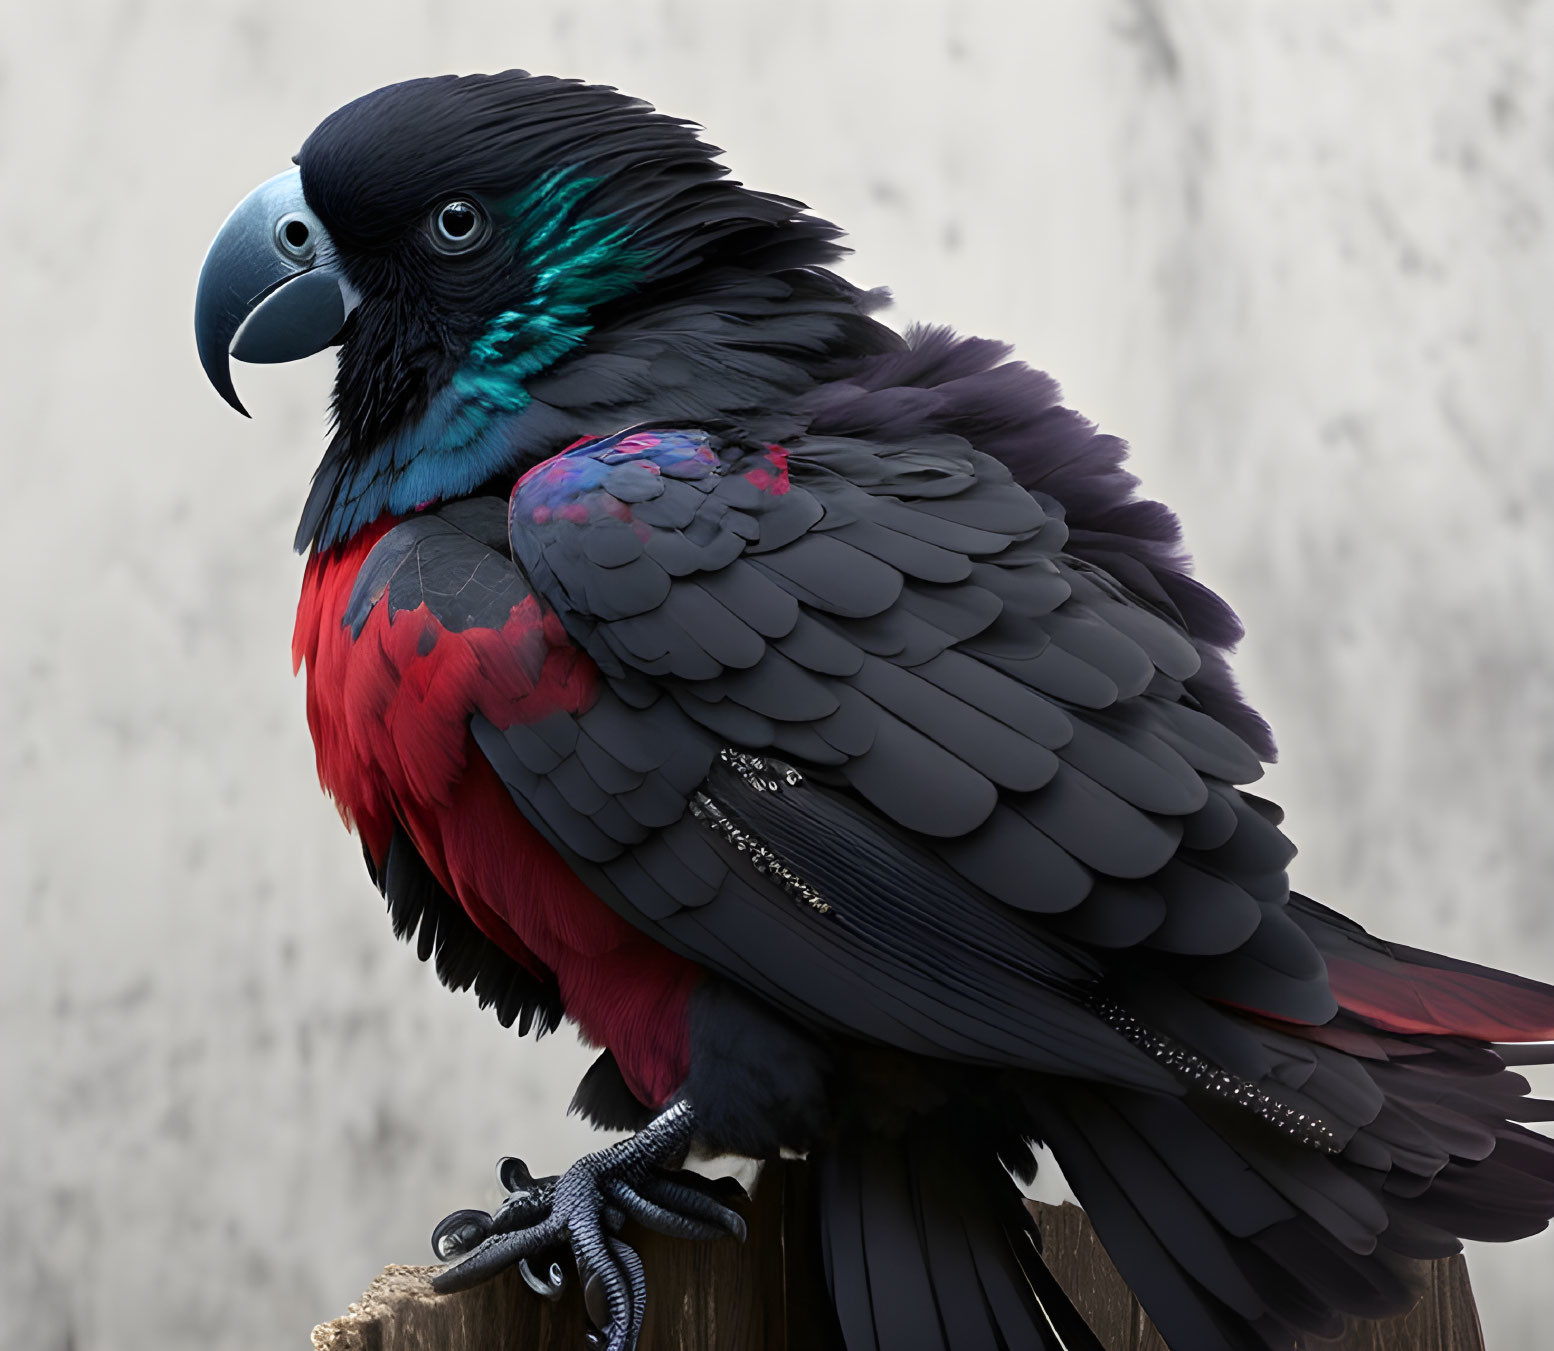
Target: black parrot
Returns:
[[817, 718]]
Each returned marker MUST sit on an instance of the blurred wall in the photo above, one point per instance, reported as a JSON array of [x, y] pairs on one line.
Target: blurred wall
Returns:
[[1298, 251]]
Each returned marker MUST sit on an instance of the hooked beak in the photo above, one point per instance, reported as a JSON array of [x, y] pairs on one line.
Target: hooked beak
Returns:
[[271, 288]]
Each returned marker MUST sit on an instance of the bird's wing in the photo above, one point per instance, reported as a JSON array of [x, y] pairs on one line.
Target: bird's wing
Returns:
[[871, 743]]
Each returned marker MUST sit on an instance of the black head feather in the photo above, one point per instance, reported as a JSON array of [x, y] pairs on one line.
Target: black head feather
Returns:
[[376, 167]]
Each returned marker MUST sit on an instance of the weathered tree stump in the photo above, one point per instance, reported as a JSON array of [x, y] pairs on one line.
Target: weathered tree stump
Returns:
[[768, 1294]]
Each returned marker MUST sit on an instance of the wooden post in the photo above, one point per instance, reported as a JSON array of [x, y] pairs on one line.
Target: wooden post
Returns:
[[768, 1294]]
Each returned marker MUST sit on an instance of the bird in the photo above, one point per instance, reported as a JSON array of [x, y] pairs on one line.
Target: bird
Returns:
[[821, 719]]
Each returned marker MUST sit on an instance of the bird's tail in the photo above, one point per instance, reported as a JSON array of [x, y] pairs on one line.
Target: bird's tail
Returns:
[[928, 1247], [1237, 1235], [1408, 990]]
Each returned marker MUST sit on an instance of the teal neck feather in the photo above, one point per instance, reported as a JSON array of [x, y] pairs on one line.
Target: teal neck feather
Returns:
[[577, 264]]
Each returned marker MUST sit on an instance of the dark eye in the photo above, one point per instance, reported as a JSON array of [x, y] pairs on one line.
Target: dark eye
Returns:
[[458, 226], [294, 233]]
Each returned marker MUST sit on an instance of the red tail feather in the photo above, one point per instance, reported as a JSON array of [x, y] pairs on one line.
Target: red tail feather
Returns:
[[1420, 992]]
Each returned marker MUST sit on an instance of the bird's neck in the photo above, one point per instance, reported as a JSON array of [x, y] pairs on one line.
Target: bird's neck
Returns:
[[742, 349]]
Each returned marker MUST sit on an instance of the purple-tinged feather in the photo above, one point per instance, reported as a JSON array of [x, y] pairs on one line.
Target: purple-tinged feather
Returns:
[[967, 386]]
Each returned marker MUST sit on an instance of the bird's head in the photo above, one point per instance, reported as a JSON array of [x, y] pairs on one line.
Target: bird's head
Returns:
[[457, 237]]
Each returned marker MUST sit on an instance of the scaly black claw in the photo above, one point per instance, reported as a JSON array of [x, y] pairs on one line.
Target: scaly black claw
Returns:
[[496, 1254], [656, 1217], [584, 1210], [459, 1234], [619, 1296], [683, 1193], [525, 1206], [631, 1263], [618, 1321]]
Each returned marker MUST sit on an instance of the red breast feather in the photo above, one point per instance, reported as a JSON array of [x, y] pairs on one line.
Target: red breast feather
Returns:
[[390, 709]]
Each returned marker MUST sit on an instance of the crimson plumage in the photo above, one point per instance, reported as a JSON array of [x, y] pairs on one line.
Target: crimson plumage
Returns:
[[389, 707]]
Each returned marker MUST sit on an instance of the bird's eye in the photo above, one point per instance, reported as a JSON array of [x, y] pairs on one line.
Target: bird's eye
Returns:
[[295, 235], [458, 226]]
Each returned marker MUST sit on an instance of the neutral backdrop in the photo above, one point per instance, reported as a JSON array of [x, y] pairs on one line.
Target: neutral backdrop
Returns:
[[1299, 252]]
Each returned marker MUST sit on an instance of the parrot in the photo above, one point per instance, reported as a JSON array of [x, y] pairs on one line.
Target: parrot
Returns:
[[820, 719]]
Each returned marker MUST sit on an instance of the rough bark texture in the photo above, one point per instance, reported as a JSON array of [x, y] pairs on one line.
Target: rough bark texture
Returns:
[[769, 1295]]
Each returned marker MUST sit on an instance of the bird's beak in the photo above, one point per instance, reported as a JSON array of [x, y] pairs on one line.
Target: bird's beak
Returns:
[[271, 288]]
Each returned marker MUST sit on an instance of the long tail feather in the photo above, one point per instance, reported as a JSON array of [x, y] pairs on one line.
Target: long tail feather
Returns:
[[927, 1246]]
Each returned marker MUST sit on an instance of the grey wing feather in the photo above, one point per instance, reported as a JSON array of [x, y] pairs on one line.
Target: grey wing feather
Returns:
[[1006, 723]]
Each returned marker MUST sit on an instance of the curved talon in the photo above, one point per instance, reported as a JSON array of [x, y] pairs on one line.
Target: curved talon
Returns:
[[461, 1232], [595, 1303], [513, 1173], [551, 1286]]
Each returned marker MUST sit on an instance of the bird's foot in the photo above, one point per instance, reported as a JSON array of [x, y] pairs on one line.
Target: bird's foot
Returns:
[[583, 1211]]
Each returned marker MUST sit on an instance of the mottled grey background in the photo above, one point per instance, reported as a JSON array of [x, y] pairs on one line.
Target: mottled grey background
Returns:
[[1298, 251]]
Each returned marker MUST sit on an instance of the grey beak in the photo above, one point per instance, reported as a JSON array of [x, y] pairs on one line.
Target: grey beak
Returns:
[[271, 288]]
